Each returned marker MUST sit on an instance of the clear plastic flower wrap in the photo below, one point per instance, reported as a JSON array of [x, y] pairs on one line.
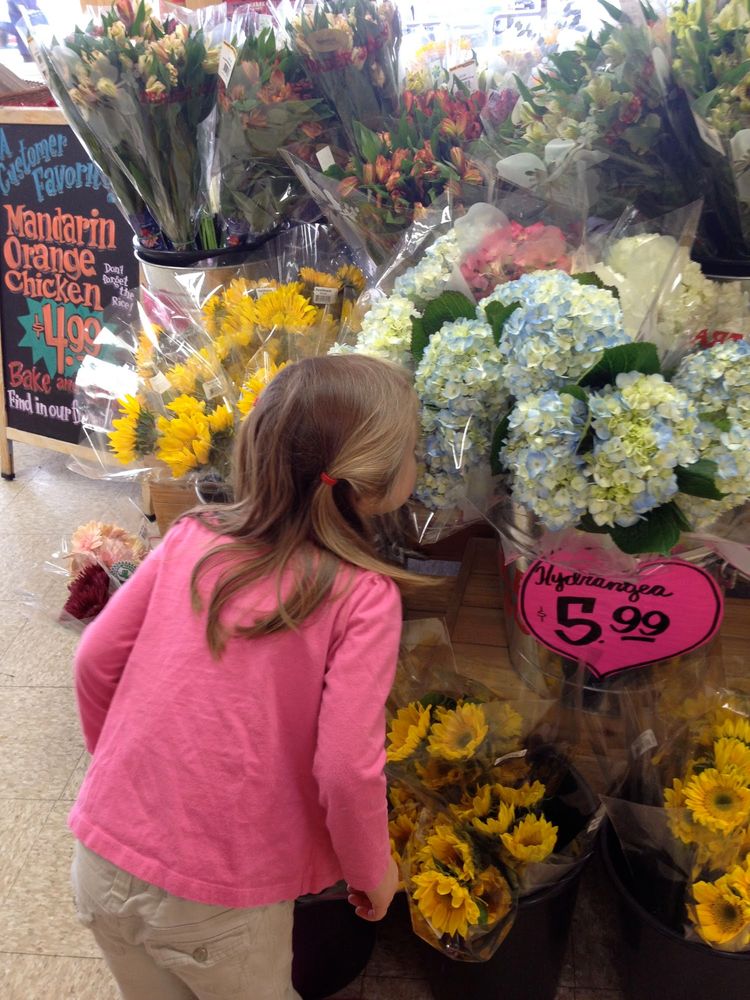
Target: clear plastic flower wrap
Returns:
[[97, 559], [173, 379], [485, 809], [350, 50], [265, 103], [683, 821], [143, 84]]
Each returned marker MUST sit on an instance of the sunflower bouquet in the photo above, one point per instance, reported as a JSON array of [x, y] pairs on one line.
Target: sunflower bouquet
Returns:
[[195, 380], [480, 816], [684, 825]]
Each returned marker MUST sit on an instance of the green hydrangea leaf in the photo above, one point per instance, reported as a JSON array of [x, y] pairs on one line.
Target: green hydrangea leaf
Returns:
[[419, 339], [446, 308], [592, 278], [640, 357], [659, 531], [699, 480], [498, 441], [498, 315]]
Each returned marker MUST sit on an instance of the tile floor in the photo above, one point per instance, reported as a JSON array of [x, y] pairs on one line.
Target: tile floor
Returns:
[[44, 953]]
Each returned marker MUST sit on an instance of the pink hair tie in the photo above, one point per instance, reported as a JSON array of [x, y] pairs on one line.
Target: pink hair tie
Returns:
[[328, 480]]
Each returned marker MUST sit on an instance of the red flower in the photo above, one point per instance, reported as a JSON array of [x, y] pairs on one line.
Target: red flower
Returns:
[[348, 186], [382, 169], [89, 592]]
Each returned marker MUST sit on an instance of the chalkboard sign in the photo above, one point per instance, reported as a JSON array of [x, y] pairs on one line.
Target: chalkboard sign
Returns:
[[66, 255]]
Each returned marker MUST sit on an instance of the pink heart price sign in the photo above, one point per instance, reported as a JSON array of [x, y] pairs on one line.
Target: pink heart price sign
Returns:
[[613, 624]]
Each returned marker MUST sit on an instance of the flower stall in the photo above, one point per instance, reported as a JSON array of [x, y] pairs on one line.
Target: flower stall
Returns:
[[545, 222]]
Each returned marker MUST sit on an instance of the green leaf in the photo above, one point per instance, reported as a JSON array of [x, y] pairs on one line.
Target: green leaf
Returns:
[[445, 309], [699, 480], [719, 419], [659, 531], [498, 441], [576, 391], [419, 339], [588, 524], [614, 12], [368, 141], [498, 315], [526, 94], [640, 357], [592, 278]]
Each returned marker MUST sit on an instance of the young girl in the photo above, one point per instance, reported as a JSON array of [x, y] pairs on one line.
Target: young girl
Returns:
[[232, 695]]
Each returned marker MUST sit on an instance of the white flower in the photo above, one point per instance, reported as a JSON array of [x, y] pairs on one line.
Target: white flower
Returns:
[[386, 330]]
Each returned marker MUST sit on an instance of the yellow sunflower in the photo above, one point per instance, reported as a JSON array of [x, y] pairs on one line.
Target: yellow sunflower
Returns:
[[720, 802], [183, 377], [721, 918], [732, 754], [679, 818], [185, 438], [221, 420], [134, 433], [254, 385], [231, 311], [147, 344], [401, 799], [458, 732], [407, 731], [497, 824], [350, 276], [734, 727], [400, 828], [505, 726], [493, 890], [524, 797], [446, 904], [318, 279], [533, 839], [451, 850], [285, 309]]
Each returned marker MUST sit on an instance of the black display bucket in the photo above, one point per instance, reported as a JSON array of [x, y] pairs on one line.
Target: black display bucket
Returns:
[[331, 945], [528, 963], [660, 964]]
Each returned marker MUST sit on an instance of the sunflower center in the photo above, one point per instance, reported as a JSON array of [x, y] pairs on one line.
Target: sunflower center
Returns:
[[724, 800], [727, 915]]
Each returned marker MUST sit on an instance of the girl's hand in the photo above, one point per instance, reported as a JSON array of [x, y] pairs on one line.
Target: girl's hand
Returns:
[[373, 905]]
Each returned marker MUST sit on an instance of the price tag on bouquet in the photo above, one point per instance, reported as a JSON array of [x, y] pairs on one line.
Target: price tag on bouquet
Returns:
[[615, 624]]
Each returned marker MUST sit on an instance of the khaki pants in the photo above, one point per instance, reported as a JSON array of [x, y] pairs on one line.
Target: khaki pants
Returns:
[[160, 947]]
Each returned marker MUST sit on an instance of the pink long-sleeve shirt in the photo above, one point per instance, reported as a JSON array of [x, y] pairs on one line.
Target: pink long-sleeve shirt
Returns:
[[248, 780]]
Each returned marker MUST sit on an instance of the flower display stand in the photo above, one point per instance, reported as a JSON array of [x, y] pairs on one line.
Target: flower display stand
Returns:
[[168, 500], [660, 963]]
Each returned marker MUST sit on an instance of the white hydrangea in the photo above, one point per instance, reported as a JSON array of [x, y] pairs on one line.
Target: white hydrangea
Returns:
[[464, 396], [386, 330], [643, 429], [718, 379], [427, 279]]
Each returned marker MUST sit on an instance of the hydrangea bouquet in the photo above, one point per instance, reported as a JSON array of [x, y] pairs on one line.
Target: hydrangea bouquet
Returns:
[[690, 854], [598, 436]]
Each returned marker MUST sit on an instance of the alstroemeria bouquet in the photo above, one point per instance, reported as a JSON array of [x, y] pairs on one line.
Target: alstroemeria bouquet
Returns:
[[711, 60], [350, 49], [143, 85], [690, 855], [615, 95], [598, 437], [477, 819], [267, 104]]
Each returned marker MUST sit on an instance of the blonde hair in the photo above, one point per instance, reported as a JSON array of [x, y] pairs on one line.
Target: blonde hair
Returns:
[[347, 416]]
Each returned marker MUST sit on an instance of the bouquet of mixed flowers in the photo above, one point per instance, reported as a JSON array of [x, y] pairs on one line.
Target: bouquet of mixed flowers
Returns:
[[614, 97], [350, 50], [711, 61], [265, 103], [479, 815], [684, 825], [98, 558], [143, 85]]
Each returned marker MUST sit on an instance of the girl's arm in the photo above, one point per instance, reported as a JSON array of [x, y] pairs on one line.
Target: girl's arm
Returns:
[[105, 647], [350, 754]]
